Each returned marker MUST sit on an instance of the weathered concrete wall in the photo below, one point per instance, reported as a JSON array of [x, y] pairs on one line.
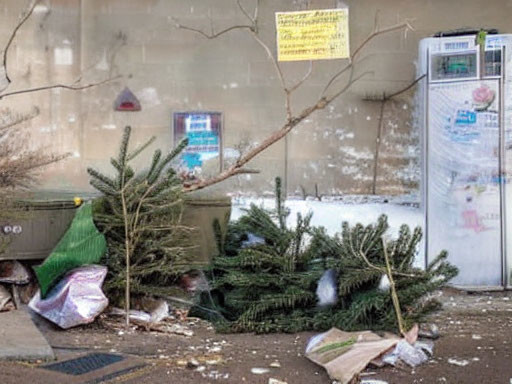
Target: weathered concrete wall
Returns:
[[174, 70]]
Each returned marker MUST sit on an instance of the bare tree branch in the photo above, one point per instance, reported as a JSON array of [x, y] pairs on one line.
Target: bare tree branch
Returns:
[[291, 120], [251, 19], [405, 89], [270, 140], [11, 39], [213, 35], [376, 32], [72, 87], [383, 101], [306, 76]]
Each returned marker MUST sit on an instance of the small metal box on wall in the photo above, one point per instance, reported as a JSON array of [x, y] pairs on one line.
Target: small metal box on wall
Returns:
[[204, 133], [465, 105]]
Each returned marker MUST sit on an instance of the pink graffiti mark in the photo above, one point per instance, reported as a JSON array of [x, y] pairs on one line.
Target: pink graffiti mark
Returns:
[[472, 221]]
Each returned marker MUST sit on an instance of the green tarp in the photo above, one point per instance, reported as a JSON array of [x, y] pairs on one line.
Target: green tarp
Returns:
[[82, 244]]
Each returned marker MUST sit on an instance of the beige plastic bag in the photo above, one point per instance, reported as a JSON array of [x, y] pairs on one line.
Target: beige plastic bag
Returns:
[[345, 354]]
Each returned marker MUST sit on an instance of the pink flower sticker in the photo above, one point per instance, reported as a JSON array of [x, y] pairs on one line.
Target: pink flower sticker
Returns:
[[483, 97]]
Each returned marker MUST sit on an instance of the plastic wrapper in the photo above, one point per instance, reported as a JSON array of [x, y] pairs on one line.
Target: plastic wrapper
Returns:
[[412, 355], [76, 299], [252, 240], [326, 292]]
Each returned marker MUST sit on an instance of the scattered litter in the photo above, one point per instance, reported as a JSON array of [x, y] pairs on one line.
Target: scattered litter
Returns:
[[76, 299], [411, 336], [412, 355], [327, 290], [373, 381], [476, 337], [275, 364], [260, 371], [154, 311], [193, 363], [460, 363], [134, 315], [429, 331], [275, 381], [5, 300], [13, 272], [215, 375], [345, 354]]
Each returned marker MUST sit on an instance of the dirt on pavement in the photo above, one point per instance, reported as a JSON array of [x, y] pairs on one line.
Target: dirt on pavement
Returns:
[[475, 347]]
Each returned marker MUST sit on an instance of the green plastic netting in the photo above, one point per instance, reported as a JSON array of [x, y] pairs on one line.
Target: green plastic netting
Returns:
[[82, 244]]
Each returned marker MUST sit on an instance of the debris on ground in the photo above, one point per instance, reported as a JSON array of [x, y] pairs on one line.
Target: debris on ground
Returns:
[[411, 354], [155, 321], [460, 363], [6, 303], [275, 381], [76, 299], [345, 354], [259, 371], [429, 331], [149, 311], [13, 272]]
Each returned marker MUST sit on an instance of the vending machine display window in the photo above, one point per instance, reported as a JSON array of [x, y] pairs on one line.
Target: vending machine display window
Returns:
[[454, 66]]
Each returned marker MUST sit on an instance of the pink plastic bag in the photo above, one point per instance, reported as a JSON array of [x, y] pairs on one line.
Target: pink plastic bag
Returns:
[[76, 299]]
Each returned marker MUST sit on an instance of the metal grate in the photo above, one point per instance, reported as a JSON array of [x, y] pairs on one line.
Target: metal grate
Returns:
[[84, 364]]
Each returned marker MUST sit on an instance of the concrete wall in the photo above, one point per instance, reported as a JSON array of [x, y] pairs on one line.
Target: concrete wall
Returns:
[[174, 70]]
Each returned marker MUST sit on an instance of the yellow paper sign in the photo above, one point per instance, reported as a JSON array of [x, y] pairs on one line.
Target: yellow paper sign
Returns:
[[312, 35]]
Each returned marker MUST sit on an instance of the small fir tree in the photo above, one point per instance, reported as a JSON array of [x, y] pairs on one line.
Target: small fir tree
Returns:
[[359, 257], [140, 214], [266, 285]]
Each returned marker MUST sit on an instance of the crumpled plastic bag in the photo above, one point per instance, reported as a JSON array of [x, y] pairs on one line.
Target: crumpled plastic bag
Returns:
[[412, 355], [77, 299], [327, 289], [252, 240]]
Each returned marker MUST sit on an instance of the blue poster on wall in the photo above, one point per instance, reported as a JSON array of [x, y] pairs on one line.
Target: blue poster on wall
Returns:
[[204, 139]]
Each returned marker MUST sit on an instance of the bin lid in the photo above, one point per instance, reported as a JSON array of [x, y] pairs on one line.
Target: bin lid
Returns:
[[53, 199]]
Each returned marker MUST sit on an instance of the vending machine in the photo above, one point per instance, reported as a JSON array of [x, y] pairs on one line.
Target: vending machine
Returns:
[[465, 116]]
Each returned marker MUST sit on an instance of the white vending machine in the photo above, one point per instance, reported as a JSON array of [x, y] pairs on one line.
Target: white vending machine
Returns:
[[466, 122]]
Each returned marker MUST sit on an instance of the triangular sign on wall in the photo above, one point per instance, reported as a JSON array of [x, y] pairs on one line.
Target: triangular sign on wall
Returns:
[[127, 101]]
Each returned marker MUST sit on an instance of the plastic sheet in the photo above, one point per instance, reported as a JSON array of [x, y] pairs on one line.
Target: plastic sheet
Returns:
[[326, 292], [252, 239], [76, 299], [412, 355], [345, 354]]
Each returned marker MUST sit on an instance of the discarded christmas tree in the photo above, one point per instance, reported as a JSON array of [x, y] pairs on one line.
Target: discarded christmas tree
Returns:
[[365, 288], [140, 215], [262, 279], [266, 276]]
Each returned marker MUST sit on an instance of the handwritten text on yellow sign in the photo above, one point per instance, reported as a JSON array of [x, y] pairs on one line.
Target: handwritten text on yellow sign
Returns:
[[312, 35]]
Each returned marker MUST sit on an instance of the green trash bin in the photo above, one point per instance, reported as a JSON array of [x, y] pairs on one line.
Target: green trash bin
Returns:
[[44, 218]]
